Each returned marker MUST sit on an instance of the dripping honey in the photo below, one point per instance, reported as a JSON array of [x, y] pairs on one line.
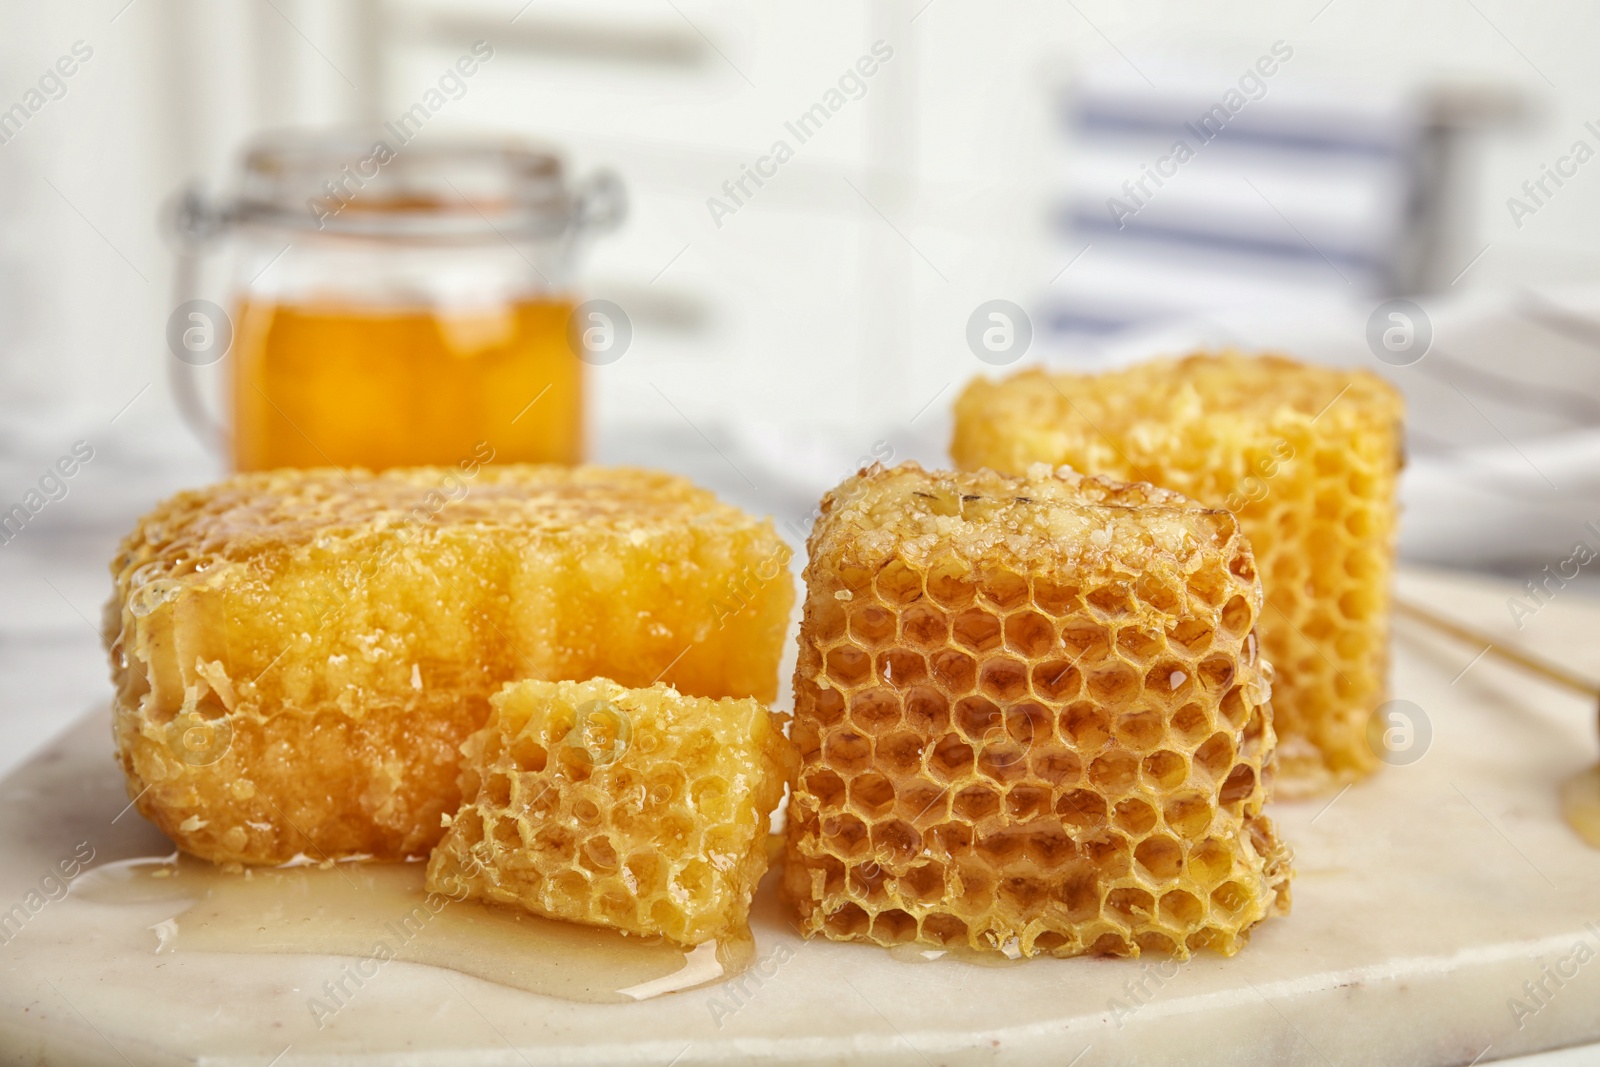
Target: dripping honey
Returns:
[[326, 384]]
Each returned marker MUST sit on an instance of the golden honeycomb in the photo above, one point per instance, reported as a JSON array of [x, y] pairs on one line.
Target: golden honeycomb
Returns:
[[299, 654], [1031, 718], [638, 809], [1307, 457]]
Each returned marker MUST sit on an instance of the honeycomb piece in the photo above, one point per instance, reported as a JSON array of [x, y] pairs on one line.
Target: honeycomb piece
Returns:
[[301, 653], [1031, 718], [1307, 457], [638, 809]]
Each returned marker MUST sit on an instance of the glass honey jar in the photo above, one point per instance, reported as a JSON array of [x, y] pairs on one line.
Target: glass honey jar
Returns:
[[392, 306]]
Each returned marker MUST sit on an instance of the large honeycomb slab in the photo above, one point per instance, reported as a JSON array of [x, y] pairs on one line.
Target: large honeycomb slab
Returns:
[[638, 809], [1307, 457], [299, 654], [1031, 718]]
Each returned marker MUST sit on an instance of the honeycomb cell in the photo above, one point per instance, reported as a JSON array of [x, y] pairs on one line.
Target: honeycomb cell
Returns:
[[871, 625], [1025, 803], [949, 583], [977, 630], [896, 842], [1210, 861], [849, 752], [901, 667], [1161, 595], [925, 883], [1055, 597], [1170, 680], [1134, 816], [951, 759], [875, 710], [1115, 772], [1215, 756], [1240, 784], [923, 626], [1030, 634], [901, 752], [827, 787], [1040, 751], [1308, 459], [1181, 909], [976, 803], [1188, 814], [1111, 602], [1165, 770], [848, 835], [1056, 680], [830, 619], [1234, 707], [1056, 767], [848, 666], [1216, 672], [945, 930], [976, 716], [1135, 645], [1109, 852], [688, 869], [1237, 616], [848, 923], [927, 711], [1140, 730], [1002, 848], [1192, 723], [1160, 857], [1086, 726], [872, 794], [1086, 642], [952, 838], [893, 925], [1130, 905], [953, 669], [1049, 847], [1003, 679], [1004, 589], [829, 703], [1114, 686], [1001, 759], [898, 583], [1156, 941], [1027, 722]]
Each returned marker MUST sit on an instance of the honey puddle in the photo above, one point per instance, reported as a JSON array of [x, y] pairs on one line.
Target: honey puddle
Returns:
[[381, 911], [1580, 803]]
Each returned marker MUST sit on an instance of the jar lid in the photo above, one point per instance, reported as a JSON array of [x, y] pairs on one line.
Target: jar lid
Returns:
[[447, 188]]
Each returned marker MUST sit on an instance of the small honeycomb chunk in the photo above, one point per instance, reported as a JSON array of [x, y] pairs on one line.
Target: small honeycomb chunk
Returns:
[[299, 654], [638, 809], [1031, 718], [1307, 457]]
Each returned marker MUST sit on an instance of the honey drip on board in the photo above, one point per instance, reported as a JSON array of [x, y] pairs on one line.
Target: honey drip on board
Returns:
[[1580, 804], [377, 912]]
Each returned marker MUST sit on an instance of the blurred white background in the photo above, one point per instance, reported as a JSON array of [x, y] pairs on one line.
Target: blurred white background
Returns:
[[843, 288]]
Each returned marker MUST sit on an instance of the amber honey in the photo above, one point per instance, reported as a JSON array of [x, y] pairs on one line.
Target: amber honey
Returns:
[[374, 913], [318, 385]]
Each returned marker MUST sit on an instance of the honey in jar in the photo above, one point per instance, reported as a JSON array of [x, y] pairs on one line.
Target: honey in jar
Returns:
[[399, 307], [329, 384]]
